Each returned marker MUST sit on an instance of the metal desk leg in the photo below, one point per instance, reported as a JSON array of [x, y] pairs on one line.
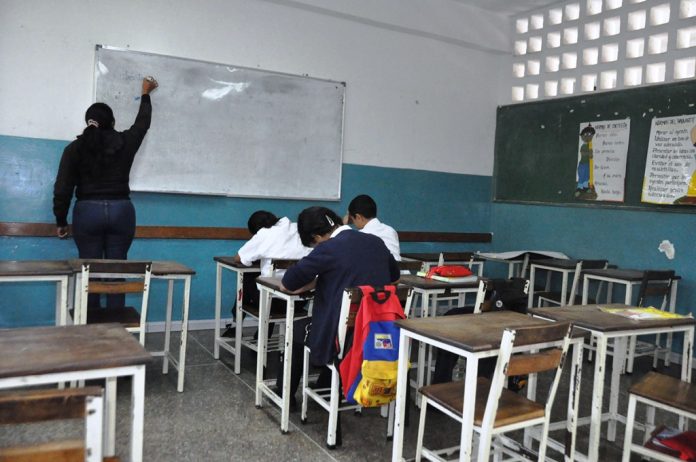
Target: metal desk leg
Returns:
[[687, 350], [466, 439], [618, 360], [401, 386], [597, 397], [137, 414], [168, 326], [564, 288], [672, 309], [530, 297], [631, 348], [574, 401], [184, 334], [261, 351], [239, 324], [420, 378], [585, 289], [218, 309], [110, 417], [287, 366]]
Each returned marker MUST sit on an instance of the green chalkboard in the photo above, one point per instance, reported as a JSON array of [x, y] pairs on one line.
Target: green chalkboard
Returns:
[[536, 143]]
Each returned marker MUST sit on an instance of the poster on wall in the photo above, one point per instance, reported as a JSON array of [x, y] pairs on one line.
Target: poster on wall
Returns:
[[601, 168], [670, 167]]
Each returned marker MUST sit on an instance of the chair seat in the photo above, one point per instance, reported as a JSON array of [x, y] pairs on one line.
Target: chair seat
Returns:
[[667, 390], [126, 316], [512, 408]]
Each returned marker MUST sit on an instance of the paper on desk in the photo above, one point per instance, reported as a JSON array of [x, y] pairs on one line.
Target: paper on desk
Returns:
[[519, 253], [643, 313]]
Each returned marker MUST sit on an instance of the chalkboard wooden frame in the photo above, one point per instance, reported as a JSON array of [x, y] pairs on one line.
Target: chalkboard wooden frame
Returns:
[[228, 130], [536, 143]]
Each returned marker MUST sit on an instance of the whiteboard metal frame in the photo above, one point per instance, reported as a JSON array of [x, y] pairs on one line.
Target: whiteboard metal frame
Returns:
[[278, 73]]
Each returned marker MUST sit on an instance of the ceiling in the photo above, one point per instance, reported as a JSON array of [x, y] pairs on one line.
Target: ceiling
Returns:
[[509, 7]]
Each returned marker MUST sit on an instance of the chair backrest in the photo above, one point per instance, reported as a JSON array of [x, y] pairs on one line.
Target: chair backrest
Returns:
[[656, 284], [282, 263], [537, 349], [497, 294], [31, 406], [577, 277], [412, 266], [350, 304], [134, 275]]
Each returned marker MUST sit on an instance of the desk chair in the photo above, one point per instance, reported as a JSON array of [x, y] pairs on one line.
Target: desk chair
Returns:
[[656, 285], [331, 398], [31, 406], [497, 410], [548, 297], [133, 278], [410, 266], [664, 392]]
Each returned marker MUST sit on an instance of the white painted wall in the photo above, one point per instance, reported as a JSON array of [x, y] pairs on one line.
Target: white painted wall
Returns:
[[420, 93]]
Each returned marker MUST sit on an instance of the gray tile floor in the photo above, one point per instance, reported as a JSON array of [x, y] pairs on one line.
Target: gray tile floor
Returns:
[[215, 419]]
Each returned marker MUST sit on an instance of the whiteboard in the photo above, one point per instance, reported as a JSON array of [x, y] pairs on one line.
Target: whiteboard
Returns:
[[227, 130]]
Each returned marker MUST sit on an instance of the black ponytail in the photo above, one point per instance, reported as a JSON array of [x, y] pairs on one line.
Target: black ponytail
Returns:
[[97, 143]]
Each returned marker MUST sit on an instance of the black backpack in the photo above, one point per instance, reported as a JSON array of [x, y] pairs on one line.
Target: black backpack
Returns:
[[508, 294]]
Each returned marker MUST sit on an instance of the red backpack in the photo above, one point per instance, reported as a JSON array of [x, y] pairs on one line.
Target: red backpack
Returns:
[[369, 370]]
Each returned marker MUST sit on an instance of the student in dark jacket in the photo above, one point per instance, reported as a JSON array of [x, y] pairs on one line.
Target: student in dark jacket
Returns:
[[96, 167], [342, 258]]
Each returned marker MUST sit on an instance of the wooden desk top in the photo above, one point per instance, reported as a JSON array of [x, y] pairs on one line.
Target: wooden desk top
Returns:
[[275, 283], [159, 268], [45, 350], [559, 263], [418, 282], [447, 256], [593, 318], [470, 332], [35, 268], [229, 261]]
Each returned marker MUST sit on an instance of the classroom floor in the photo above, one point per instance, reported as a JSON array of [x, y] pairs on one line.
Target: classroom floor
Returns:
[[215, 419]]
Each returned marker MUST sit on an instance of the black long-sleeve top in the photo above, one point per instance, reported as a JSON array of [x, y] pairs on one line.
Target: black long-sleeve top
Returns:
[[110, 182]]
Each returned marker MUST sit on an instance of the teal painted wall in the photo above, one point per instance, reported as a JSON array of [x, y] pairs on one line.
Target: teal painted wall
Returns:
[[409, 200], [627, 238]]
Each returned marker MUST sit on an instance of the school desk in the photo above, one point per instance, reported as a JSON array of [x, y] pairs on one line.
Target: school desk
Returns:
[[468, 259], [50, 355], [558, 265], [430, 290], [270, 287], [629, 278], [57, 271], [233, 345], [604, 326], [474, 337], [169, 271]]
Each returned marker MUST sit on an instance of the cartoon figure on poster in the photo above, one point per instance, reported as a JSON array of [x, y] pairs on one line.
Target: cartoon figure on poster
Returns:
[[585, 175], [690, 198]]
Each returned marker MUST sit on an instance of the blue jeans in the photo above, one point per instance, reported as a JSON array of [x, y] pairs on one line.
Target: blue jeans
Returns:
[[104, 229]]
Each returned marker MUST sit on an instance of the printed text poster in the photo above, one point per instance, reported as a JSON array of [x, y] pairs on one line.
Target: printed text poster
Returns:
[[670, 166]]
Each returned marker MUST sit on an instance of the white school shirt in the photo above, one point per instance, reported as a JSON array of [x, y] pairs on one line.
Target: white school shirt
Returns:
[[280, 241], [386, 233]]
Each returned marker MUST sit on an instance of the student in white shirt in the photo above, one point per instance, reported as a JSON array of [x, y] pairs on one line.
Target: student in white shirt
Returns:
[[273, 238], [362, 212]]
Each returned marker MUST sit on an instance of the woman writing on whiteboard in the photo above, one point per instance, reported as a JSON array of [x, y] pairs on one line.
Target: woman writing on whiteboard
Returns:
[[96, 166]]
